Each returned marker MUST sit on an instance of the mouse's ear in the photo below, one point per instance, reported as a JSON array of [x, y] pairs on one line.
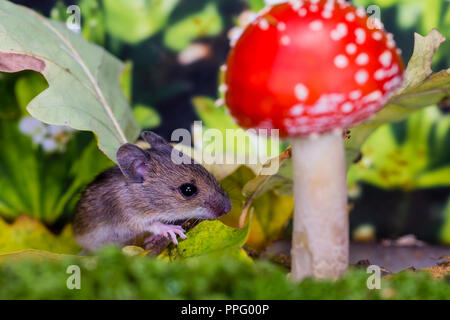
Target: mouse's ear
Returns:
[[154, 140], [132, 162]]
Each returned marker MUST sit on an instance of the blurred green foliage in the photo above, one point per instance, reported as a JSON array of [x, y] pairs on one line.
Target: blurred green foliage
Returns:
[[206, 22], [112, 275], [35, 182], [409, 155], [132, 22], [445, 231]]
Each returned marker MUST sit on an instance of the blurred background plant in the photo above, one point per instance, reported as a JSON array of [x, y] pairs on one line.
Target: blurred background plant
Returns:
[[174, 51]]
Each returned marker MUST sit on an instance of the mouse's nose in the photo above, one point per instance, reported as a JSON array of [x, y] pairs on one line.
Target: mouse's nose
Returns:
[[219, 205], [227, 205]]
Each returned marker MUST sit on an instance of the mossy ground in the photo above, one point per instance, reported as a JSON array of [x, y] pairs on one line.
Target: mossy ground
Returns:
[[114, 276]]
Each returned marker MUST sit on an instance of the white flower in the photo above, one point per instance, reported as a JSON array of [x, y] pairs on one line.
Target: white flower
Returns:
[[55, 130], [38, 138], [52, 138], [49, 145], [30, 126]]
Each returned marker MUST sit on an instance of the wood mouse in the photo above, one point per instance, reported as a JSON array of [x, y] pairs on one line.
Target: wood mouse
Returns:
[[143, 200]]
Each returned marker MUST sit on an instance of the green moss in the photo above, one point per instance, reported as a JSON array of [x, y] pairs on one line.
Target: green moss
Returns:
[[114, 276]]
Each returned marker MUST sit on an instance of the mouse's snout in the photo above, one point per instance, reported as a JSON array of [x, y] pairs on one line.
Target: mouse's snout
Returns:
[[227, 205], [218, 205]]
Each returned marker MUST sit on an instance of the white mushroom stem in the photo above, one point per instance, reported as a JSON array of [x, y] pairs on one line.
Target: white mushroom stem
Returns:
[[320, 240]]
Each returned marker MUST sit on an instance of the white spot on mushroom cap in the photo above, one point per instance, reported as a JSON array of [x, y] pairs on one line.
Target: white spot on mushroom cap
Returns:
[[362, 59], [351, 48], [296, 4], [301, 91], [390, 42], [326, 14], [302, 12], [339, 32], [393, 83], [234, 34], [285, 40], [327, 103], [373, 96], [360, 35], [223, 88], [360, 12], [329, 6], [383, 73], [316, 25], [380, 74], [361, 76], [386, 58], [313, 8], [377, 35], [297, 110], [341, 61], [281, 26], [350, 16], [263, 24], [355, 94], [347, 107], [219, 102]]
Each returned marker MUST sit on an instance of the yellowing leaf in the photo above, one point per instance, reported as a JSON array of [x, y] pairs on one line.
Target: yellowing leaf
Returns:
[[419, 66], [271, 214], [265, 197], [28, 233], [31, 254]]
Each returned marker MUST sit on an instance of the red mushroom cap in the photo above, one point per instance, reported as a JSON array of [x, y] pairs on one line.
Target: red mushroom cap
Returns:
[[308, 67]]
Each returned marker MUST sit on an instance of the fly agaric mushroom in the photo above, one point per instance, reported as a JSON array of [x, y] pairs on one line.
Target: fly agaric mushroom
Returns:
[[312, 69]]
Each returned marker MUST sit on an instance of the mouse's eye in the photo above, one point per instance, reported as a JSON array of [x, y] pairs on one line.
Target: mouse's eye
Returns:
[[188, 190]]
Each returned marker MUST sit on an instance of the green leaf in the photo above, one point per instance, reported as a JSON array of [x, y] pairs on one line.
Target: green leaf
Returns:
[[420, 159], [43, 185], [93, 21], [126, 80], [206, 238], [260, 196], [84, 90], [8, 103], [27, 88], [408, 13], [213, 116], [204, 23], [218, 118], [147, 117], [262, 183], [445, 231], [256, 5], [142, 18], [419, 66], [27, 233]]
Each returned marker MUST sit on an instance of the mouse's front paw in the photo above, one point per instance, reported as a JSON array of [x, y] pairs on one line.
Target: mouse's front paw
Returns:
[[168, 231]]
